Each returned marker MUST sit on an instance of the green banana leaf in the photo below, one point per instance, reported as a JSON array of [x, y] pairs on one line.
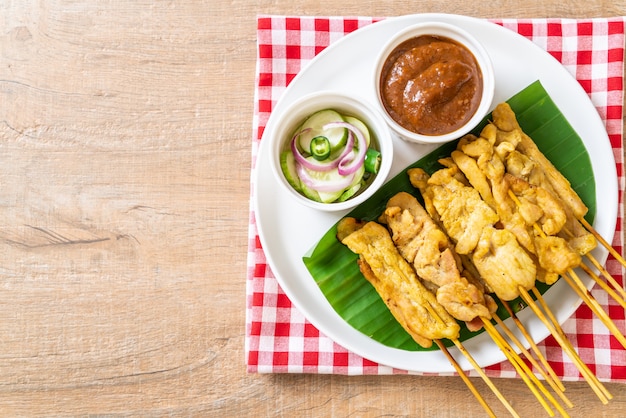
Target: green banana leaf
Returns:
[[333, 266]]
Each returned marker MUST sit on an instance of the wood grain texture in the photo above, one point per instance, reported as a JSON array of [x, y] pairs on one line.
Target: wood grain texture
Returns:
[[125, 135]]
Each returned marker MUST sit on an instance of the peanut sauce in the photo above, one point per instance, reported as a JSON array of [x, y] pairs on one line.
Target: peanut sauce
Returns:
[[431, 85]]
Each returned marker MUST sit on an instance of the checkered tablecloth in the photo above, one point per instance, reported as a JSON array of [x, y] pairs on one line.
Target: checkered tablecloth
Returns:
[[280, 340]]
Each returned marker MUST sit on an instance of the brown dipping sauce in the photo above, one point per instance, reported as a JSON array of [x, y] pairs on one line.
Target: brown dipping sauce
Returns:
[[431, 85]]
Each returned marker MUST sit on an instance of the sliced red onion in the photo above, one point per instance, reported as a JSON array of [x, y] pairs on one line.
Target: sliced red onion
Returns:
[[323, 186], [348, 148], [351, 162], [312, 164]]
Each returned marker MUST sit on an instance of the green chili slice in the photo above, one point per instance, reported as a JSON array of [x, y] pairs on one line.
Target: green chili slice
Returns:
[[320, 148], [372, 161]]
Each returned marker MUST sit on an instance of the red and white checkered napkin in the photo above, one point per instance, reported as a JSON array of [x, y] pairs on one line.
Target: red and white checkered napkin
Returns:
[[280, 340]]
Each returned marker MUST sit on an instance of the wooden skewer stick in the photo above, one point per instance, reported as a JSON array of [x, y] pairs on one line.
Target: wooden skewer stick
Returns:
[[465, 379], [485, 378], [579, 287], [523, 370], [557, 386], [558, 328], [602, 241], [560, 337], [534, 347], [607, 275], [615, 286], [604, 286]]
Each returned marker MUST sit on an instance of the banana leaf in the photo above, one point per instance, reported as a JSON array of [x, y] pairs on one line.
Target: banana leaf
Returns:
[[333, 266]]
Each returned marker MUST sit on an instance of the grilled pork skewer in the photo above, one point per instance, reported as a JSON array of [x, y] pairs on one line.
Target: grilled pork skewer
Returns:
[[535, 168], [413, 306], [471, 224], [422, 243], [495, 163], [511, 173], [530, 207], [449, 200]]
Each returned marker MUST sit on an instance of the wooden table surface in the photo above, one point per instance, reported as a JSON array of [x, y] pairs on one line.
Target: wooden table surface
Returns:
[[125, 136]]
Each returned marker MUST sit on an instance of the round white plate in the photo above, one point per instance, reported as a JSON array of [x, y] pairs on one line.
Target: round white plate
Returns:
[[288, 230]]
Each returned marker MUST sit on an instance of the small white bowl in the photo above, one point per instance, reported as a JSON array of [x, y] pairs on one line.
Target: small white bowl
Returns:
[[459, 36], [295, 114]]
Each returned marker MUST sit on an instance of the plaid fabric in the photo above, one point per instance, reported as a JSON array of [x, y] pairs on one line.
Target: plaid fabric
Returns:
[[280, 340]]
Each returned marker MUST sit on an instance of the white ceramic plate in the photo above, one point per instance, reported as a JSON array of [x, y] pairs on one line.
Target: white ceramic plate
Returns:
[[288, 230]]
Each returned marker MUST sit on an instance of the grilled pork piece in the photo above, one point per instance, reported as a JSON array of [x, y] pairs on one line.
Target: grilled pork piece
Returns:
[[499, 259], [424, 245], [413, 306]]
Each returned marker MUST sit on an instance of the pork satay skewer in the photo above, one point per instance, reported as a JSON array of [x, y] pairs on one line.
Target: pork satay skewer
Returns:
[[423, 244], [490, 174], [494, 169], [556, 330], [469, 222], [579, 287], [428, 249], [504, 114], [482, 161], [575, 207], [544, 368], [421, 180], [504, 158], [415, 308]]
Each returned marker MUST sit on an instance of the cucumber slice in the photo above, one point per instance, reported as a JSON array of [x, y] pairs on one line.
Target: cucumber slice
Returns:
[[331, 176], [350, 192], [326, 197], [310, 193], [288, 165], [354, 187], [358, 123], [337, 137]]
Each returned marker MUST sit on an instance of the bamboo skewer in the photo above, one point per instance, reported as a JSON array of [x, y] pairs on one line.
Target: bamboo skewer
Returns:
[[615, 287], [465, 379], [558, 334], [560, 331], [534, 347], [604, 286], [607, 275], [602, 241], [523, 375], [485, 378], [462, 349], [535, 386], [556, 385], [585, 295]]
